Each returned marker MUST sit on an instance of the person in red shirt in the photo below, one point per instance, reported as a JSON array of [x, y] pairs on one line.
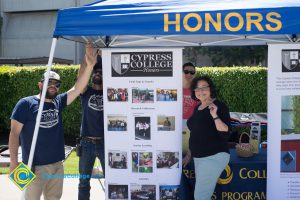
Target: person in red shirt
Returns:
[[187, 185], [188, 74]]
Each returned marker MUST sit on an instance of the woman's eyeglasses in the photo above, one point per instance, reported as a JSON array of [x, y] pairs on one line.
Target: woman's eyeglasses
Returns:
[[189, 72], [198, 89]]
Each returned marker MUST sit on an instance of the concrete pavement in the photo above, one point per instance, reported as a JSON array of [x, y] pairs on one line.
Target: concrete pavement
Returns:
[[9, 191]]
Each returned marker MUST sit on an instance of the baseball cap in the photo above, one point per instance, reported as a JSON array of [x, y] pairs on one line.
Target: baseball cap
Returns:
[[52, 75]]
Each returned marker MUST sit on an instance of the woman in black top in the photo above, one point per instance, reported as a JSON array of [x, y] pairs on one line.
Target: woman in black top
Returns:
[[209, 126]]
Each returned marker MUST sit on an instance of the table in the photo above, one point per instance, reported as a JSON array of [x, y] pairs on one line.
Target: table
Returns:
[[243, 178]]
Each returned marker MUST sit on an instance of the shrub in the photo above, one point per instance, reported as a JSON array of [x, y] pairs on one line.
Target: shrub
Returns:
[[243, 89], [19, 82]]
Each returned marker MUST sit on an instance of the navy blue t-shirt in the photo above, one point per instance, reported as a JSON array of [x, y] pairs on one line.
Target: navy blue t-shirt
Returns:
[[50, 142], [92, 113]]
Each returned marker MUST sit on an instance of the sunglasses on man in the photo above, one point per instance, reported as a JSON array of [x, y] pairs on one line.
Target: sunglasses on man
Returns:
[[189, 72], [54, 83]]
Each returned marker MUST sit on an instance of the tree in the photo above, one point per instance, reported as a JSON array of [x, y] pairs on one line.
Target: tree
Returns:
[[229, 56], [192, 54]]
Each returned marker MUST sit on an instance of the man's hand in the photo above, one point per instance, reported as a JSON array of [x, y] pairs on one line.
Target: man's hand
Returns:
[[90, 55], [84, 73], [13, 166], [13, 143]]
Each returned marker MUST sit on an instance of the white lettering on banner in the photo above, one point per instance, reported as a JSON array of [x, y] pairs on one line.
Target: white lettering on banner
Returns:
[[142, 64]]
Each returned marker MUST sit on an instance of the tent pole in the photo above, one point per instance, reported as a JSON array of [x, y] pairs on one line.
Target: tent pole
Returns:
[[39, 115]]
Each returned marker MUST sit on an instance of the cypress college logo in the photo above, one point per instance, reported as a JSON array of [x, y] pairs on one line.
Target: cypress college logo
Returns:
[[140, 64], [22, 176], [290, 60], [227, 179]]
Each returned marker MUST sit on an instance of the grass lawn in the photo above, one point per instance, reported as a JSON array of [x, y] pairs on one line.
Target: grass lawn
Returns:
[[4, 170], [70, 165]]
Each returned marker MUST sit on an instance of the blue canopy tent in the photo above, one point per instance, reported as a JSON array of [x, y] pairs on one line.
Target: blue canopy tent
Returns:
[[145, 23], [123, 23]]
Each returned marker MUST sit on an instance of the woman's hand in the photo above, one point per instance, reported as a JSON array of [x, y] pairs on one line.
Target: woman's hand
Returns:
[[187, 158], [220, 125], [213, 110]]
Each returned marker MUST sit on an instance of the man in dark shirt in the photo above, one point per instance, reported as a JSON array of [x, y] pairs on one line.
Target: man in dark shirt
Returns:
[[49, 150], [92, 130]]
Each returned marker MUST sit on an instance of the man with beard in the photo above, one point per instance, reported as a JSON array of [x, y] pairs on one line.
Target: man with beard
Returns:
[[92, 129], [49, 150]]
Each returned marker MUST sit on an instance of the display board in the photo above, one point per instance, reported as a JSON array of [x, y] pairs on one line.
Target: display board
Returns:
[[142, 95], [283, 122]]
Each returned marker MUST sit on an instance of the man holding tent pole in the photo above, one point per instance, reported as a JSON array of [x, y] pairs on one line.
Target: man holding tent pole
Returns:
[[92, 129], [49, 151]]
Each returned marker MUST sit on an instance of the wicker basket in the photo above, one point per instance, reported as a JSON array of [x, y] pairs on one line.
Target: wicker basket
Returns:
[[244, 149]]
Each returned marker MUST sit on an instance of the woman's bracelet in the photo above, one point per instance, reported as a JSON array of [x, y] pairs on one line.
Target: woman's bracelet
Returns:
[[215, 118]]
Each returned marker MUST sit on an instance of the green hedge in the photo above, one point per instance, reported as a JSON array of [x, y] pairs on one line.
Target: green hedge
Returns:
[[244, 89], [18, 82]]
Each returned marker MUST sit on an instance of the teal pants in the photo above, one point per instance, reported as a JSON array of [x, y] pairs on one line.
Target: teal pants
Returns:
[[207, 171]]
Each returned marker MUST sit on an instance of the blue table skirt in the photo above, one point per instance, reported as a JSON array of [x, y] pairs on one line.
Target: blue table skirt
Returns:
[[243, 178]]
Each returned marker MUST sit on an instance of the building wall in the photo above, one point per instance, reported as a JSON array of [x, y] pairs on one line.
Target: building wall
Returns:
[[28, 27]]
